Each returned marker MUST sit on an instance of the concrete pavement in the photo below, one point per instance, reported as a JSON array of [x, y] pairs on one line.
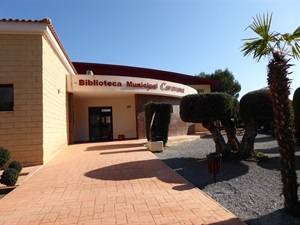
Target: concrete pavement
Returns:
[[111, 183]]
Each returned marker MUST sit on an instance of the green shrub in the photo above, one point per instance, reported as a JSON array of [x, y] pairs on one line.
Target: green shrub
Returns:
[[296, 109], [4, 156], [257, 106], [16, 165], [164, 110], [197, 108], [9, 177], [206, 108]]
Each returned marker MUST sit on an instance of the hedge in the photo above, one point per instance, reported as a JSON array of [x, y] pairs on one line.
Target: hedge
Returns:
[[164, 109]]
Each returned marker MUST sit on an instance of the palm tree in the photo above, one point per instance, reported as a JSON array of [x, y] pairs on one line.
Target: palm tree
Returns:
[[280, 48]]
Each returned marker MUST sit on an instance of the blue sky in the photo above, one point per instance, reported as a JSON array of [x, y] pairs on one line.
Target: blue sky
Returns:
[[184, 36]]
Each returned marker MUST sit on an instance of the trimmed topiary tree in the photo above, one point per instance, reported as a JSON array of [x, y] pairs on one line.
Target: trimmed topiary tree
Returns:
[[255, 109], [163, 111], [296, 109], [9, 177], [4, 156], [206, 108], [16, 165]]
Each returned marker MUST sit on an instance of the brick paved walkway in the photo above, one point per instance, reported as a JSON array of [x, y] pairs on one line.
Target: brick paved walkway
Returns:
[[117, 183]]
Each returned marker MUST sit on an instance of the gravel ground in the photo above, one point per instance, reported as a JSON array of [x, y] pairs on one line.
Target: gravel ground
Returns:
[[249, 189]]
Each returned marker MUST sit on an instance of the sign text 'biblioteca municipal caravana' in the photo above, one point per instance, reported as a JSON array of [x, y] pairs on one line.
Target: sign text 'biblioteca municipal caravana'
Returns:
[[129, 84]]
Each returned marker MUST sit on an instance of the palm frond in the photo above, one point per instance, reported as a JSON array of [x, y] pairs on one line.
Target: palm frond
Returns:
[[296, 33], [296, 51], [260, 46], [269, 42], [293, 40], [261, 25]]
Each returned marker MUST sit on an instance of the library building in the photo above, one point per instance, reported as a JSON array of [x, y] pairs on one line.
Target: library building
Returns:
[[48, 102]]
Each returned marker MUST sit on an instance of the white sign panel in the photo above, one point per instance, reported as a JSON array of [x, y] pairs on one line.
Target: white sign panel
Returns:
[[97, 83]]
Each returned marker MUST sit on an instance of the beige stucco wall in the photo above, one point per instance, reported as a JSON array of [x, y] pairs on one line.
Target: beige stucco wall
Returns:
[[201, 87], [36, 130], [54, 103], [21, 130], [124, 121]]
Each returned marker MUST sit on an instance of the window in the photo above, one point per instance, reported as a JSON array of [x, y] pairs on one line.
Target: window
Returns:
[[6, 97]]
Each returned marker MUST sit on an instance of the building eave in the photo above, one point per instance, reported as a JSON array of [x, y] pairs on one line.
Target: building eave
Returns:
[[120, 70]]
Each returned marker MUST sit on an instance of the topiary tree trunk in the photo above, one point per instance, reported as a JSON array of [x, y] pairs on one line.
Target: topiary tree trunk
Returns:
[[233, 143], [247, 144], [220, 143]]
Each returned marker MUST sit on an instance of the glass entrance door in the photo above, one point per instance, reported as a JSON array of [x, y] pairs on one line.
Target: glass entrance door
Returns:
[[100, 124]]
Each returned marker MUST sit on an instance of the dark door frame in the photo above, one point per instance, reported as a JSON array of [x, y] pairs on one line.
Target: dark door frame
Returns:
[[102, 126]]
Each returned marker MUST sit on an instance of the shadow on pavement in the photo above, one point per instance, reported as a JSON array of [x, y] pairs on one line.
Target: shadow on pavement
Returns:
[[111, 146], [139, 170], [196, 170]]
